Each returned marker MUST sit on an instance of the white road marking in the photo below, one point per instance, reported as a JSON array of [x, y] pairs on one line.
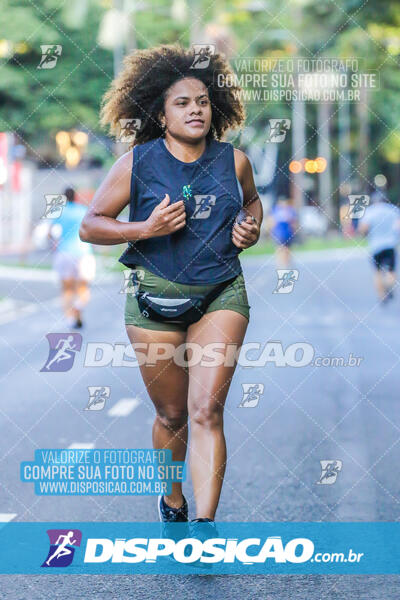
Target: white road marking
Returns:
[[123, 407], [6, 517], [80, 446], [12, 309], [27, 274], [46, 275]]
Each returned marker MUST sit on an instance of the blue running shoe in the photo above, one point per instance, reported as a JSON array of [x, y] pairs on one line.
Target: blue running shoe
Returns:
[[203, 529], [168, 514], [174, 521]]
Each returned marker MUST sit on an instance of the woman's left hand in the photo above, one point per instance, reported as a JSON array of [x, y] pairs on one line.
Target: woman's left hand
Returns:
[[246, 234]]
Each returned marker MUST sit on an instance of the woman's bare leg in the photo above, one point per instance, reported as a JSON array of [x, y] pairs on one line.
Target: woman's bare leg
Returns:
[[82, 297], [379, 284], [67, 297], [283, 256], [208, 388], [390, 281], [167, 386]]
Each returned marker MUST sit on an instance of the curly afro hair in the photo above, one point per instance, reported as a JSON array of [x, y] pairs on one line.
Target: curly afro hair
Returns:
[[139, 91]]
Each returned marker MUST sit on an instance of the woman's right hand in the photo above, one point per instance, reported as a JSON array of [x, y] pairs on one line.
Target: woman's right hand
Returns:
[[166, 218]]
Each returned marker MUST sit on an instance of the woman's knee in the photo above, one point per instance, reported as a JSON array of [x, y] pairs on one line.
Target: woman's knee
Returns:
[[208, 414], [172, 419]]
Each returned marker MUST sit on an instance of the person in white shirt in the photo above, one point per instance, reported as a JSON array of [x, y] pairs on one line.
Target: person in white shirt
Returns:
[[381, 225]]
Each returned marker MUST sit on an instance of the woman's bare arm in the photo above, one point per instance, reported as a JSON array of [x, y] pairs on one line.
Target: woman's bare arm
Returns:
[[100, 224], [251, 200], [247, 233]]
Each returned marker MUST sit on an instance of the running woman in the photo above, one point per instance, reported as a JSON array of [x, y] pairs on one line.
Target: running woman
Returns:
[[185, 189]]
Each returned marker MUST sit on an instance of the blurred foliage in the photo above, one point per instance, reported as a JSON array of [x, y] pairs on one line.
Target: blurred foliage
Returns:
[[371, 33], [43, 101], [36, 103]]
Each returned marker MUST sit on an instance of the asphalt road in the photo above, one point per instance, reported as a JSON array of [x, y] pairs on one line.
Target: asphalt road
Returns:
[[305, 415]]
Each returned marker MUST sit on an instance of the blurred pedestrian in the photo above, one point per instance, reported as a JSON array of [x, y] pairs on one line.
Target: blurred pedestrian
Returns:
[[282, 224], [73, 260], [381, 225]]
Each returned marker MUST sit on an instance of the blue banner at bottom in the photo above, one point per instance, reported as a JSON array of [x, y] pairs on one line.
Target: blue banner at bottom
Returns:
[[180, 548]]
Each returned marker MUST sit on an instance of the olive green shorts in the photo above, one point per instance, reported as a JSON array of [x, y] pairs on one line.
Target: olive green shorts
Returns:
[[233, 297]]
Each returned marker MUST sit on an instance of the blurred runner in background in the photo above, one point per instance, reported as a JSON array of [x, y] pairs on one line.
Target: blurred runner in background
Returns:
[[381, 225], [73, 260], [282, 224]]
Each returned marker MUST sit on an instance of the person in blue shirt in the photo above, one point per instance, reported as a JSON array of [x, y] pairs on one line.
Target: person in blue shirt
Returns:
[[381, 225], [282, 224], [73, 260], [193, 207]]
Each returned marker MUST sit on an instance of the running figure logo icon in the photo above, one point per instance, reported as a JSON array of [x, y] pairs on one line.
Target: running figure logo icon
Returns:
[[63, 347], [329, 471], [128, 129], [203, 206], [97, 397], [62, 547], [129, 285], [357, 206], [286, 280], [54, 205], [278, 129], [202, 54], [251, 394], [50, 54]]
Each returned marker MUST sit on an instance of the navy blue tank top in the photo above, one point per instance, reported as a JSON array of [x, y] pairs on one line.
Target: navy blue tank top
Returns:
[[202, 251]]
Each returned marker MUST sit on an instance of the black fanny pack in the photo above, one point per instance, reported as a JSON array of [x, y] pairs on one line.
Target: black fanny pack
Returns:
[[184, 311]]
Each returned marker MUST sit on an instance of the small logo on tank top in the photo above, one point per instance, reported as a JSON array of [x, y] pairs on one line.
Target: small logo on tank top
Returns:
[[187, 192]]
